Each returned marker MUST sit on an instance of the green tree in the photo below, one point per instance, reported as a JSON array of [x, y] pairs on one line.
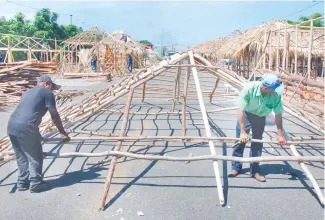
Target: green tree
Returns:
[[318, 23], [145, 42]]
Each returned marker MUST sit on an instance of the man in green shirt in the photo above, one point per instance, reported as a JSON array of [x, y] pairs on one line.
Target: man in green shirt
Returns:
[[256, 101]]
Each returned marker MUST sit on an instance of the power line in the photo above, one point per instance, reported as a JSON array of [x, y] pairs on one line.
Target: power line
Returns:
[[37, 9], [302, 9]]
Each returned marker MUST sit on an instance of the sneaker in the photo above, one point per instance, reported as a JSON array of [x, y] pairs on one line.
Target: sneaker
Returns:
[[233, 173], [41, 187]]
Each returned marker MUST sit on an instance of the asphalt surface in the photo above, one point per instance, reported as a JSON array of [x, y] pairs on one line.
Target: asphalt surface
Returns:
[[166, 190]]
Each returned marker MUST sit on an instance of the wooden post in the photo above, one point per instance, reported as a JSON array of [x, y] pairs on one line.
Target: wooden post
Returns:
[[9, 52], [214, 89], [278, 50], [284, 50], [310, 46], [265, 43], [179, 72], [287, 51], [117, 148], [187, 77], [175, 89], [207, 129], [296, 51], [143, 91]]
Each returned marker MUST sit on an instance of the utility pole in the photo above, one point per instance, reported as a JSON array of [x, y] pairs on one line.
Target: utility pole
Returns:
[[71, 19]]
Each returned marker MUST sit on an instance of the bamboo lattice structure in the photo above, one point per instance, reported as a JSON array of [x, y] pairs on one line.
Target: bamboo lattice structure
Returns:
[[73, 114]]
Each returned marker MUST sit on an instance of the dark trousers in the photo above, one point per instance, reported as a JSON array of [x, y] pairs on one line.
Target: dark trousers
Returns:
[[29, 157], [130, 66], [257, 125]]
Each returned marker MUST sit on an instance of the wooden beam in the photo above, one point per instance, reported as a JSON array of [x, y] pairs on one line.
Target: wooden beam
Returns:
[[296, 51], [193, 158], [207, 129], [310, 46], [143, 91], [187, 77], [308, 175], [175, 90], [214, 89], [117, 148]]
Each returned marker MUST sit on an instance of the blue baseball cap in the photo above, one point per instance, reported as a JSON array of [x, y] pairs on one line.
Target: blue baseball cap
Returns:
[[273, 82], [45, 78]]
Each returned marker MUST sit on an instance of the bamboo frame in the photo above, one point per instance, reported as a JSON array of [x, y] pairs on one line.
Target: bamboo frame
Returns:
[[207, 129], [193, 158], [73, 114]]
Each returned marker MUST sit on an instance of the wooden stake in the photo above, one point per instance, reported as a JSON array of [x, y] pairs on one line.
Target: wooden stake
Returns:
[[179, 72], [207, 129], [117, 148]]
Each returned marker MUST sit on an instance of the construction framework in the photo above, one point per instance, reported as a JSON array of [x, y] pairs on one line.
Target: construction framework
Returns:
[[33, 48], [73, 114], [111, 52]]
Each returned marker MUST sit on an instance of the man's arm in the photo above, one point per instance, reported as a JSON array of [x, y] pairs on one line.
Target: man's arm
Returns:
[[241, 120], [278, 109], [51, 106], [57, 120]]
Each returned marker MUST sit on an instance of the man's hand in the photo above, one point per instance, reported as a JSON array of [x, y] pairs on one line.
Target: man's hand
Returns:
[[281, 139], [65, 137], [243, 137]]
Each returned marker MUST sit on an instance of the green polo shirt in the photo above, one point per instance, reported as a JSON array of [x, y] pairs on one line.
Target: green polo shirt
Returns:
[[252, 101]]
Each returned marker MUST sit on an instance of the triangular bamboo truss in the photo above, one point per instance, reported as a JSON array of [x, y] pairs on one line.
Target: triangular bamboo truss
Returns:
[[71, 115]]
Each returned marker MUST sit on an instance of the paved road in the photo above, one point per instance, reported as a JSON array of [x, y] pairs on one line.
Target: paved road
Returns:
[[167, 190]]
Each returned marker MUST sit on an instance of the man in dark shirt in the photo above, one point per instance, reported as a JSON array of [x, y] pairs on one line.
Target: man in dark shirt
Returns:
[[23, 131]]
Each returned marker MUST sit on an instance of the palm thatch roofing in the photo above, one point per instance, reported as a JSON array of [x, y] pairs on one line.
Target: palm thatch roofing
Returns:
[[88, 37], [252, 41]]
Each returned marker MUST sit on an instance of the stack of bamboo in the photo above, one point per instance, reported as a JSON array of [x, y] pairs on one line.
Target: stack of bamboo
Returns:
[[12, 85], [73, 113]]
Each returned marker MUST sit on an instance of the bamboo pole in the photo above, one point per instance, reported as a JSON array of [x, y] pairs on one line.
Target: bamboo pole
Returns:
[[284, 49], [179, 72], [187, 77], [207, 129], [214, 89], [265, 43], [308, 174], [117, 148], [110, 159], [296, 51], [143, 91], [180, 139], [287, 52], [175, 112], [175, 90], [310, 46], [193, 158]]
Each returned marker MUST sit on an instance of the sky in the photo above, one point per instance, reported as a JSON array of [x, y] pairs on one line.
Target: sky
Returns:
[[182, 22]]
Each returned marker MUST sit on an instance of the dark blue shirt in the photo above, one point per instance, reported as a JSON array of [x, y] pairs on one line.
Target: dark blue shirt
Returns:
[[28, 115]]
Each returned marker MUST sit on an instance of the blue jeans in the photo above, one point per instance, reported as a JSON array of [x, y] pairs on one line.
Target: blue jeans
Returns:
[[257, 125], [29, 157], [130, 66], [93, 67]]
